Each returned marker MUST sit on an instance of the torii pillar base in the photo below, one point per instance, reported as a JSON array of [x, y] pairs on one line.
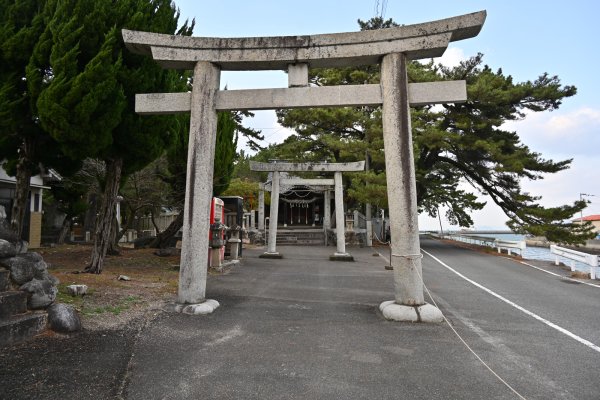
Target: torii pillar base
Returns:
[[275, 255], [400, 312], [341, 257], [206, 307]]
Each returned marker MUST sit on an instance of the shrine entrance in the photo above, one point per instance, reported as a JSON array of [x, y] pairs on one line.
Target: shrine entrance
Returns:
[[302, 207], [391, 48]]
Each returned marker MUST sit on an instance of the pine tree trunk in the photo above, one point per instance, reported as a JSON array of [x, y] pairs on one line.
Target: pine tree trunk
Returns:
[[113, 249], [64, 230], [104, 236], [163, 237], [153, 220], [20, 203]]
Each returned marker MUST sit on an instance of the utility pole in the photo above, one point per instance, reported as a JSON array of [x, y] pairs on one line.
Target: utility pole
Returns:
[[581, 199]]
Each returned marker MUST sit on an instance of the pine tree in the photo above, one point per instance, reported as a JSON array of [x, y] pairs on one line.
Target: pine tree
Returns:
[[453, 144]]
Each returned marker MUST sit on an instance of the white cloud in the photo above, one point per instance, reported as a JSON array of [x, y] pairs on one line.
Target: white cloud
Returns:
[[452, 57], [266, 122], [576, 122], [568, 134]]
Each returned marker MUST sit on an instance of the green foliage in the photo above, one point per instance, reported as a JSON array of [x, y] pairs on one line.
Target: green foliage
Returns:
[[87, 96], [22, 139], [244, 188], [454, 143], [225, 147], [228, 129]]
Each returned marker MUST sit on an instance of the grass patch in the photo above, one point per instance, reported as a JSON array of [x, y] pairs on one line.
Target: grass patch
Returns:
[[116, 309], [86, 304]]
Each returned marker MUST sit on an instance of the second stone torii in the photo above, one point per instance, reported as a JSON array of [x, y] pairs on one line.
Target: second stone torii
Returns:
[[337, 169]]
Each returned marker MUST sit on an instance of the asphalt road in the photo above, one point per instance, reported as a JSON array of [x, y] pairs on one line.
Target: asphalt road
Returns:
[[307, 328], [554, 358]]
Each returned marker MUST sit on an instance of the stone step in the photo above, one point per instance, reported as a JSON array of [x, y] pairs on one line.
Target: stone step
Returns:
[[22, 327], [302, 242], [301, 236], [12, 303], [4, 279]]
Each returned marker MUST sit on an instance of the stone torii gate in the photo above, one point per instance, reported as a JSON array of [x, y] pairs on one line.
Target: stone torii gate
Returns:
[[392, 48], [337, 169]]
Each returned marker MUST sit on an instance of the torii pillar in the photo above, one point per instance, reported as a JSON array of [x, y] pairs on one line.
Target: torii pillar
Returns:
[[208, 56], [261, 208]]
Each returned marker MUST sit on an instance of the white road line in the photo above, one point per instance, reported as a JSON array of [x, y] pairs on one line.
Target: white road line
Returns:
[[560, 276], [518, 307]]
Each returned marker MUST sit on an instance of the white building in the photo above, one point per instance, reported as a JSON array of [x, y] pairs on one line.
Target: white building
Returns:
[[32, 230]]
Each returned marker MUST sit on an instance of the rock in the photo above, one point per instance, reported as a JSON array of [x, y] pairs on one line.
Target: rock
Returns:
[[22, 246], [123, 278], [25, 267], [7, 249], [77, 290], [21, 270], [63, 318], [42, 293], [32, 256], [55, 281], [7, 234], [40, 270]]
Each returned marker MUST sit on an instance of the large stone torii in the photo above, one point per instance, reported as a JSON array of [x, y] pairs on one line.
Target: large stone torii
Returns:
[[392, 48]]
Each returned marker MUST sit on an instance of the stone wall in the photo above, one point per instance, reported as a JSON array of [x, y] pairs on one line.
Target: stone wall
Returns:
[[353, 238], [28, 292]]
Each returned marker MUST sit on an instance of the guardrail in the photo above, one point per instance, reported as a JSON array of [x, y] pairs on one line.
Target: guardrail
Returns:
[[510, 245], [499, 244], [574, 255]]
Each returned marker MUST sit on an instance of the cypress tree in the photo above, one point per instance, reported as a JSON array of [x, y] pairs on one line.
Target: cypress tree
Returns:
[[88, 104], [24, 144]]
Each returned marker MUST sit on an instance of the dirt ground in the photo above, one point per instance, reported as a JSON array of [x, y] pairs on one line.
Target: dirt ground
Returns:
[[111, 303]]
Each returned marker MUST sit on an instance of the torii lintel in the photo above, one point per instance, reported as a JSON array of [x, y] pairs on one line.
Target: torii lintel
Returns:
[[417, 41], [309, 167]]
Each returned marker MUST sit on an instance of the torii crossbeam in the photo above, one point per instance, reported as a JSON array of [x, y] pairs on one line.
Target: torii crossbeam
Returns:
[[391, 47]]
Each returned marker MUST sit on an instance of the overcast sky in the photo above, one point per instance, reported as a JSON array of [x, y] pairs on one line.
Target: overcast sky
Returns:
[[524, 38]]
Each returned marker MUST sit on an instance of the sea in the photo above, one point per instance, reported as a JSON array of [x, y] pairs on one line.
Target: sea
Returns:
[[536, 253]]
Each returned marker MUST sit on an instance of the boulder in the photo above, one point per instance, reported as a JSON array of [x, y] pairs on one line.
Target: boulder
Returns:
[[24, 267], [63, 318], [21, 269], [6, 233], [7, 249], [41, 293], [77, 290], [22, 246], [40, 270], [32, 256]]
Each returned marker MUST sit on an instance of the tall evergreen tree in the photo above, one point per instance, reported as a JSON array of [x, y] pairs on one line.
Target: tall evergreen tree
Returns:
[[87, 99], [453, 144], [225, 148], [24, 144]]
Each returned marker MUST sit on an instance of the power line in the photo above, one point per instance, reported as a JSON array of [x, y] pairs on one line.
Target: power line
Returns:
[[380, 8]]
